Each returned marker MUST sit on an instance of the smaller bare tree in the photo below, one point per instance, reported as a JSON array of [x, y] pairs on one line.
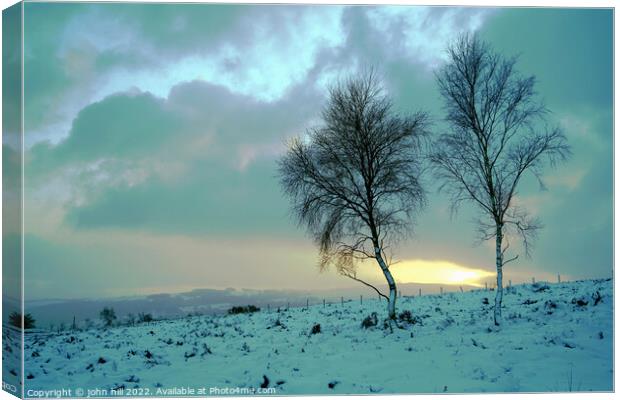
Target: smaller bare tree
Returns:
[[498, 133], [354, 182], [108, 316]]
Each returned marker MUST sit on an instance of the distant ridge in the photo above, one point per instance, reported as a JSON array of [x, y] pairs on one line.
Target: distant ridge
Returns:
[[207, 301]]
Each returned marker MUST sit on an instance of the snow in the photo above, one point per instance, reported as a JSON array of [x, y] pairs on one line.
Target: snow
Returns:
[[11, 358], [551, 340]]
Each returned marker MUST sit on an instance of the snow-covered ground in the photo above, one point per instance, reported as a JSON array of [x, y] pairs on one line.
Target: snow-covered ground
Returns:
[[555, 337]]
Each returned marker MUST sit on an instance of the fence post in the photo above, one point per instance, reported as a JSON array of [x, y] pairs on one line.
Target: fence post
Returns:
[[533, 280], [341, 301], [486, 286], [360, 299], [307, 304], [420, 292], [509, 283], [559, 280], [268, 308], [323, 303], [440, 290], [461, 287]]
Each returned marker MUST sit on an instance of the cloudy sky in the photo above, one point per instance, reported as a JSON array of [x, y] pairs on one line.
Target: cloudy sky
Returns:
[[152, 131]]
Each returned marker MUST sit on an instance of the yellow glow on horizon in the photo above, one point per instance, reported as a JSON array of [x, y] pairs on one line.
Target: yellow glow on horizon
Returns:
[[438, 271]]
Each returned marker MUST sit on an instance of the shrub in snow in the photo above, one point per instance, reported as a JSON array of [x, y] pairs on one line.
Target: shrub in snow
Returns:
[[370, 321], [539, 287], [445, 323], [407, 317], [190, 354], [332, 384], [15, 319], [205, 350], [72, 339], [145, 317], [243, 310], [551, 305], [315, 329], [108, 316], [569, 344], [597, 297], [514, 315], [582, 302], [276, 324]]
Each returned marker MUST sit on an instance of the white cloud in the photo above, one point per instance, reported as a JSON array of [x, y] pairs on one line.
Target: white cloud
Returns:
[[100, 32], [583, 129], [566, 179], [422, 33], [265, 68], [248, 153], [263, 60]]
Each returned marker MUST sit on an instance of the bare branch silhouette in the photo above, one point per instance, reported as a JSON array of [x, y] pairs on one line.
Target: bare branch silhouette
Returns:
[[354, 181], [498, 133]]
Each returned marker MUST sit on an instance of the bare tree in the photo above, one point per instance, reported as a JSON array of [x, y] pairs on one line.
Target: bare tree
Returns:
[[108, 316], [354, 181], [498, 133]]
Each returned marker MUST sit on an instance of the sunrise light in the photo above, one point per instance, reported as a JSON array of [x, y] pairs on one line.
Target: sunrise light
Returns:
[[438, 272]]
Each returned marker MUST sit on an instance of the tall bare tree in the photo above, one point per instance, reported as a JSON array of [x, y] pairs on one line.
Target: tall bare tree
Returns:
[[354, 181], [498, 133]]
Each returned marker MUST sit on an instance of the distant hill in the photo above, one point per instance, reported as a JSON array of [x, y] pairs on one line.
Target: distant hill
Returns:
[[204, 301]]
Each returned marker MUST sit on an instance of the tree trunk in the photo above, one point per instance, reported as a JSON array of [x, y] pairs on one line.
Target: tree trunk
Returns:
[[391, 283], [499, 262]]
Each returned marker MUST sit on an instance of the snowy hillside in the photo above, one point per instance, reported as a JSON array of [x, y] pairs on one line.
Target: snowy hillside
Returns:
[[556, 337]]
